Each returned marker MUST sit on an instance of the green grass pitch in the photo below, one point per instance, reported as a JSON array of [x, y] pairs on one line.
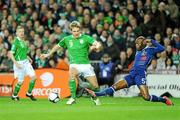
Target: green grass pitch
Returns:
[[84, 109]]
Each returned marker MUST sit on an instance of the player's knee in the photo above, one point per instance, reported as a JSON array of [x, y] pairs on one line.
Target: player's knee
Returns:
[[146, 97], [95, 86], [19, 82], [73, 75], [33, 78]]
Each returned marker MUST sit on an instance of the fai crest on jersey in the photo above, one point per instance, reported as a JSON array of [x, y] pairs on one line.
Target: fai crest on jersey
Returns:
[[81, 41]]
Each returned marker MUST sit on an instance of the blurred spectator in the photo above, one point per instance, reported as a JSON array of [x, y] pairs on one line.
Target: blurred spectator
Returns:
[[173, 11], [176, 41], [6, 64], [158, 38], [2, 44], [170, 68], [169, 51], [103, 38], [166, 42], [121, 63], [63, 22], [147, 26], [135, 27], [140, 11], [130, 37], [119, 40], [161, 65], [152, 69], [51, 63], [39, 62], [112, 48], [175, 57], [161, 18], [130, 57], [169, 32], [105, 71]]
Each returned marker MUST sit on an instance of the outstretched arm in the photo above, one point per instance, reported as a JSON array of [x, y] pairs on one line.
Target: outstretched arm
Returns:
[[158, 47], [54, 49]]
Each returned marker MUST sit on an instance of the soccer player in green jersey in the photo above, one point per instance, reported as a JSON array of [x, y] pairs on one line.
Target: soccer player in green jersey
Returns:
[[22, 64], [78, 46]]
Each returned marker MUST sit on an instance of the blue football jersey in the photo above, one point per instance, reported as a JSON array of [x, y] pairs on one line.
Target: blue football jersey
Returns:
[[144, 57]]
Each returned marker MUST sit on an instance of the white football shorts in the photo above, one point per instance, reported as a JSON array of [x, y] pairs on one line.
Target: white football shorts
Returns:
[[26, 69], [84, 69]]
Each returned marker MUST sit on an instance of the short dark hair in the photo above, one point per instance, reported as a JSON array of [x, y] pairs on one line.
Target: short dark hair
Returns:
[[141, 37]]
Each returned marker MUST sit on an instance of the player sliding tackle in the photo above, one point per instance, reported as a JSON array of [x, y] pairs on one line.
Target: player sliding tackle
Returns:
[[78, 45], [137, 75]]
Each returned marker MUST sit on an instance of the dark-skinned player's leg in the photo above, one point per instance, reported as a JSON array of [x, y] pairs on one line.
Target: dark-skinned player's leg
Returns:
[[153, 98], [124, 83], [140, 81]]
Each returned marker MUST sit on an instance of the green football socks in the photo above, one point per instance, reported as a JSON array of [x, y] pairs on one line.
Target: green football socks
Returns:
[[16, 89], [89, 86], [31, 86], [72, 86]]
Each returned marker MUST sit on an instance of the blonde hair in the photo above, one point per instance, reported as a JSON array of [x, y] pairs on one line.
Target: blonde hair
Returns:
[[19, 27], [74, 24]]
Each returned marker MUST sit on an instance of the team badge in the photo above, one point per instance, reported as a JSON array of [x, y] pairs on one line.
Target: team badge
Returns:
[[81, 41], [144, 53]]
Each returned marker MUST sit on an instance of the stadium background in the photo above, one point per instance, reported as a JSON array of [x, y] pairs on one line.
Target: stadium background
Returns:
[[115, 23]]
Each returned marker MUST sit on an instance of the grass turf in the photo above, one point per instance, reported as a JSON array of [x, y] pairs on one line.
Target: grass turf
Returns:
[[111, 109]]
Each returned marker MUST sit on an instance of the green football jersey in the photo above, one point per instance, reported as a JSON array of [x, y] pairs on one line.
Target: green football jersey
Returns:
[[19, 49], [78, 48]]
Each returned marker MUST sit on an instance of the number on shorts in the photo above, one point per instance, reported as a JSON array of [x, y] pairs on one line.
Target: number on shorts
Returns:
[[143, 80]]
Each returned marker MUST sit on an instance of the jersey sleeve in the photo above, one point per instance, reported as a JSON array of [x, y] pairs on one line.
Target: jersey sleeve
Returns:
[[62, 43], [158, 48], [90, 40], [14, 47]]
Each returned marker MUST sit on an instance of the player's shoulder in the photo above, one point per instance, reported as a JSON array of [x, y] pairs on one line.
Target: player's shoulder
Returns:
[[149, 48], [16, 40], [85, 35], [67, 37]]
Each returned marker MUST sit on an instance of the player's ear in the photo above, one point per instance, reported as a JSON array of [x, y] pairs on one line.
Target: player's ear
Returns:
[[144, 42]]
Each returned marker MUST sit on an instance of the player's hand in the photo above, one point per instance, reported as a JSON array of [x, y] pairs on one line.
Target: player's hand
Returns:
[[92, 48], [30, 60], [148, 40], [43, 56]]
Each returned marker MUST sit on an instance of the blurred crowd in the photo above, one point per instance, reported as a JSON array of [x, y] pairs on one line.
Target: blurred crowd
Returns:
[[115, 23]]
